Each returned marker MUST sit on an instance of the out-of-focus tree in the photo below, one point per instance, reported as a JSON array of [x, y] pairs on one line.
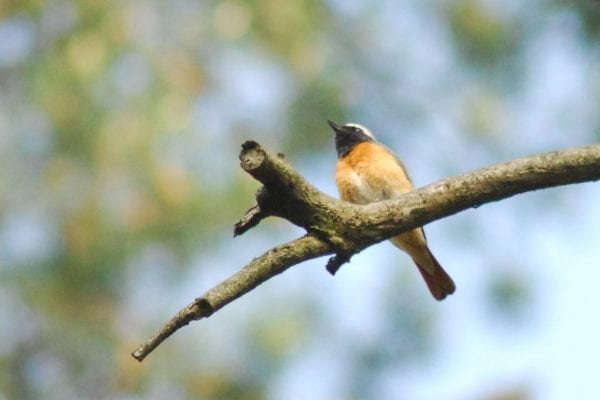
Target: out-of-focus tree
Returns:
[[120, 124]]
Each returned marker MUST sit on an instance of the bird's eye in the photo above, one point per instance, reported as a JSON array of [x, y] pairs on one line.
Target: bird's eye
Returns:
[[356, 129]]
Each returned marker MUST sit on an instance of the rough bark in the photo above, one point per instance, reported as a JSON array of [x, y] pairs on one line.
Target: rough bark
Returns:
[[344, 229]]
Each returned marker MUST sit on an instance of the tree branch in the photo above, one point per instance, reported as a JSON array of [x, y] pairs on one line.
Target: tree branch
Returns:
[[345, 229], [271, 263]]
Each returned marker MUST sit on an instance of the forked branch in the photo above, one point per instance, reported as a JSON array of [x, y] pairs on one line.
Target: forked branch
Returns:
[[344, 229]]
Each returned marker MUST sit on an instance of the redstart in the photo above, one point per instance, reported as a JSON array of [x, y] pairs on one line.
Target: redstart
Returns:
[[367, 172]]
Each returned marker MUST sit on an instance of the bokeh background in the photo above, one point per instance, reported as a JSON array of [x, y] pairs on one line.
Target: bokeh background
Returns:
[[120, 126]]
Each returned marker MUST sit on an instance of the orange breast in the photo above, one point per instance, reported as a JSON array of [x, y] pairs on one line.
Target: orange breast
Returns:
[[370, 173]]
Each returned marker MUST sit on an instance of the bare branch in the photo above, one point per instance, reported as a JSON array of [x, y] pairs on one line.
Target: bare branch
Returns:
[[263, 208], [350, 227], [473, 189], [271, 263], [344, 229], [252, 217]]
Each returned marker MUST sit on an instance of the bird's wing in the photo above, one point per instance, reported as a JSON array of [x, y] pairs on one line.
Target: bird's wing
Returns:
[[400, 164], [399, 180], [393, 176]]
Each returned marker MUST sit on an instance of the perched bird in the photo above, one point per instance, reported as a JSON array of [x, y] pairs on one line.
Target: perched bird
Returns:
[[367, 172]]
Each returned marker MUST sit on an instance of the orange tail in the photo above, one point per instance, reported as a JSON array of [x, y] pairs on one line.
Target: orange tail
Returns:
[[438, 281]]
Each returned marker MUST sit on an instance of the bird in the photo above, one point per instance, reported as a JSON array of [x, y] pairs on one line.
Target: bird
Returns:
[[367, 172]]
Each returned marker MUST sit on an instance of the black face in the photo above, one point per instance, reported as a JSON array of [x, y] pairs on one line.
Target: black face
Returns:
[[347, 137]]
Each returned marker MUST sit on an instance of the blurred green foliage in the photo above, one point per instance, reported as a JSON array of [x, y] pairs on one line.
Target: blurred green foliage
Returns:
[[483, 36], [118, 142], [589, 13]]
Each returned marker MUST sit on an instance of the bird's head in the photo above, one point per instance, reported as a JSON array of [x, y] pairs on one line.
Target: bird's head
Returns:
[[348, 136]]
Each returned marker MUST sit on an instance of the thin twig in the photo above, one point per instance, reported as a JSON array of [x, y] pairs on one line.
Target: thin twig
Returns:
[[250, 219]]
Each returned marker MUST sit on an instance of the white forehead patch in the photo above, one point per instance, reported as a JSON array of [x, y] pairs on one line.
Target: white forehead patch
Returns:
[[364, 129]]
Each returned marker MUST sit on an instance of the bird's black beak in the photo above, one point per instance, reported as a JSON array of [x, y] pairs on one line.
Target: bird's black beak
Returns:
[[334, 126]]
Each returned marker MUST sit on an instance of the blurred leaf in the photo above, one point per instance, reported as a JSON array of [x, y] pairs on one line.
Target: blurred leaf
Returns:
[[485, 113], [509, 297], [285, 27], [308, 130], [589, 13], [484, 38]]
